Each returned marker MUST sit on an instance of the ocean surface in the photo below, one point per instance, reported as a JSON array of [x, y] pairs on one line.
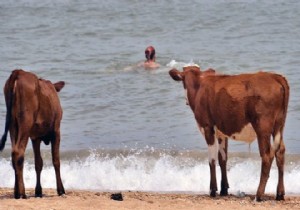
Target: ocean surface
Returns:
[[125, 128]]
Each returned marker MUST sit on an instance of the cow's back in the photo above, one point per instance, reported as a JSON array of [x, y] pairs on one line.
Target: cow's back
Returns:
[[35, 103], [232, 102]]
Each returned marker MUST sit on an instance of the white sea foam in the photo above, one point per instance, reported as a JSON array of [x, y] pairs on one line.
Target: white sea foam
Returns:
[[161, 174], [179, 64]]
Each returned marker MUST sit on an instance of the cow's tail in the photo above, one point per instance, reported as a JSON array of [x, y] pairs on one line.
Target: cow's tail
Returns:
[[9, 97], [286, 88], [286, 94]]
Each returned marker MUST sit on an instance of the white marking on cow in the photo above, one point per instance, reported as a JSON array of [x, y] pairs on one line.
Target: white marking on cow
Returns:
[[247, 134], [222, 149], [201, 130], [213, 151], [277, 140], [15, 86], [186, 97]]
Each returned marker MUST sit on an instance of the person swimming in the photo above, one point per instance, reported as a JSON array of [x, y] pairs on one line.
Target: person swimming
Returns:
[[150, 63]]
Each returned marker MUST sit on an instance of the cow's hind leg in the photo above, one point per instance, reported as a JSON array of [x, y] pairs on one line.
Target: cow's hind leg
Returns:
[[267, 156], [280, 151], [56, 163], [223, 145], [18, 164], [38, 166]]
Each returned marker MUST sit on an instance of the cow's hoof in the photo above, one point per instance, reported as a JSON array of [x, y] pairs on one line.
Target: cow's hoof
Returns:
[[279, 197], [18, 196], [259, 199], [61, 192], [38, 192], [224, 192], [38, 195], [213, 193]]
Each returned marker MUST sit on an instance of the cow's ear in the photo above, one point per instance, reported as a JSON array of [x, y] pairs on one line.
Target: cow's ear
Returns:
[[209, 71], [175, 74], [59, 85]]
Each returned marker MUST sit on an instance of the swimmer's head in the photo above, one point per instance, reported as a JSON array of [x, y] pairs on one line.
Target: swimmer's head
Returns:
[[150, 53]]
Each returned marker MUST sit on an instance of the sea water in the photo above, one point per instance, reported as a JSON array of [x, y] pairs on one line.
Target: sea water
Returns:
[[125, 128]]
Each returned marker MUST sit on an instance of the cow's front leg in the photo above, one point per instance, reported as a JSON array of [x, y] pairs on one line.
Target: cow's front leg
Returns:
[[212, 155], [223, 145], [56, 163], [38, 166]]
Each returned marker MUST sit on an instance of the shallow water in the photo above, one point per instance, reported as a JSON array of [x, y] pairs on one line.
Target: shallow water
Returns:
[[110, 105]]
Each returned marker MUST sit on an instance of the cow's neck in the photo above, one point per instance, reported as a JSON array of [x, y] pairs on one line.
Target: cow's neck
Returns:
[[192, 85], [191, 96]]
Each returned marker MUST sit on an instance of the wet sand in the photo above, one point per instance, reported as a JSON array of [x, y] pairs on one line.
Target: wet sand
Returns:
[[77, 199]]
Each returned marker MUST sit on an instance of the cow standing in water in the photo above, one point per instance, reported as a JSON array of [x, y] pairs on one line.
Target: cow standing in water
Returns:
[[33, 111], [242, 107]]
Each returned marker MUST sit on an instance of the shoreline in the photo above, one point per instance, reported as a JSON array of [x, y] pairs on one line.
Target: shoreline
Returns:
[[84, 199]]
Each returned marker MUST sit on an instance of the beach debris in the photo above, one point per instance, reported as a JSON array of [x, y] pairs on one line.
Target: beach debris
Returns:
[[117, 196], [240, 194]]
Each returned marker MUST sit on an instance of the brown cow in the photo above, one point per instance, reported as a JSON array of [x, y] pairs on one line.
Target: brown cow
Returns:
[[242, 107], [33, 111]]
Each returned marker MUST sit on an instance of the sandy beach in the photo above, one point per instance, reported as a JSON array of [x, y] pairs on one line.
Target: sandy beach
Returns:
[[76, 199]]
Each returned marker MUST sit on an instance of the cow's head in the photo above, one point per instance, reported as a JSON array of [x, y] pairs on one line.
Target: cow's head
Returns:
[[190, 77]]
